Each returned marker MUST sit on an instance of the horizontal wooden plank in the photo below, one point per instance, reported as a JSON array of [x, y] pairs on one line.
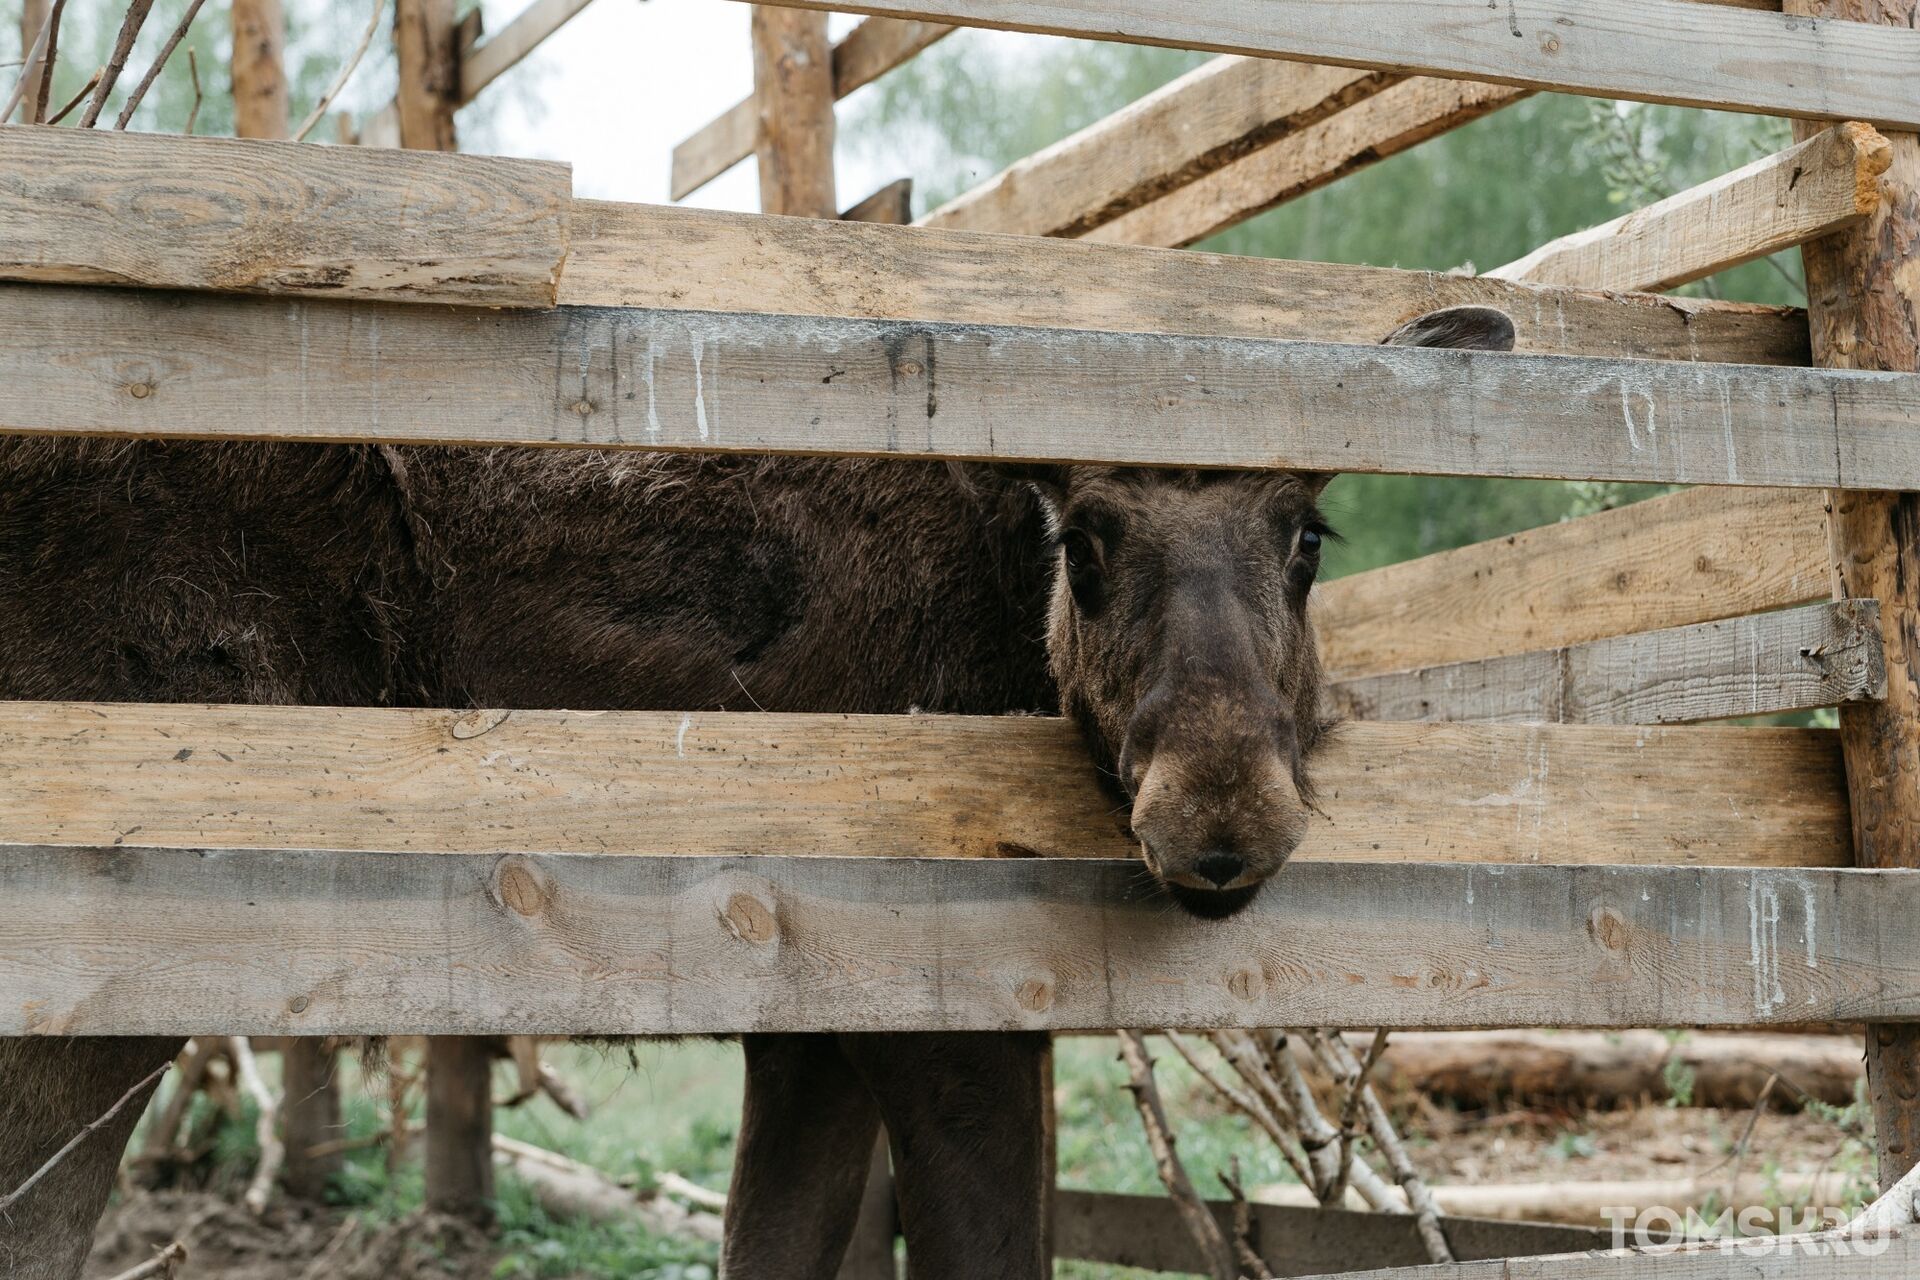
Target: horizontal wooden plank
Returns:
[[1383, 125], [1884, 1258], [216, 367], [1815, 656], [1146, 1231], [863, 55], [1809, 190], [714, 783], [647, 256], [139, 941], [1208, 118], [1676, 51], [488, 60], [101, 207], [1689, 557]]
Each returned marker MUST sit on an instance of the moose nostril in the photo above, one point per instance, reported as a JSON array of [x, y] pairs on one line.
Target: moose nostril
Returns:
[[1219, 867]]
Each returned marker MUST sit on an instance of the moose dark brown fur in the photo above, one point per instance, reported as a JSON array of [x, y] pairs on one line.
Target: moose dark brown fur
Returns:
[[1165, 611]]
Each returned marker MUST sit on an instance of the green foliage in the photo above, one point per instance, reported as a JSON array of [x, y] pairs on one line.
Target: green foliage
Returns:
[[1679, 1077]]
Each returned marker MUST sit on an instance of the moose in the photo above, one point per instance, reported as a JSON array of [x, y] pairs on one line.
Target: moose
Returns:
[[1165, 611]]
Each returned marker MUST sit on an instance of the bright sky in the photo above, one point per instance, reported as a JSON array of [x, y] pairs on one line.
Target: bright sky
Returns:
[[615, 88]]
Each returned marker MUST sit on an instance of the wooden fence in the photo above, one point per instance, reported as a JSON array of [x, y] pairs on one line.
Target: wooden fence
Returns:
[[1555, 858]]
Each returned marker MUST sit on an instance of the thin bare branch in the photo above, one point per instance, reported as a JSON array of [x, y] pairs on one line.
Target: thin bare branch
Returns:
[[1166, 1160], [161, 1266], [193, 73], [159, 63], [14, 1196], [272, 1150], [74, 101], [340, 81], [137, 11], [40, 61], [1248, 1104], [1244, 1248], [1350, 1112], [1386, 1138]]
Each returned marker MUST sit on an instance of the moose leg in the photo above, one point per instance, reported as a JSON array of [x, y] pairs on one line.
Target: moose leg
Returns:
[[964, 1111], [50, 1090], [806, 1133]]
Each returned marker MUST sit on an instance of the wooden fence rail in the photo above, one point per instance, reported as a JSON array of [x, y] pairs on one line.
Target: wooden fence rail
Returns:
[[1886, 1258], [138, 941], [668, 783], [1814, 656], [1677, 51], [219, 367]]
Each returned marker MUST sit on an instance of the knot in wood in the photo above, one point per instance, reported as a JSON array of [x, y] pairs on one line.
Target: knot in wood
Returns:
[[749, 919], [1246, 984], [298, 1004], [475, 723], [1035, 995], [1549, 43], [521, 887], [140, 390], [1609, 929]]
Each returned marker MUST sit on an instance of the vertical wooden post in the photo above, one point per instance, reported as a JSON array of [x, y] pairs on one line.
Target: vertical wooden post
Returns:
[[427, 48], [1050, 1140], [1863, 296], [310, 1114], [33, 16], [259, 71], [793, 92], [870, 1254], [460, 1127]]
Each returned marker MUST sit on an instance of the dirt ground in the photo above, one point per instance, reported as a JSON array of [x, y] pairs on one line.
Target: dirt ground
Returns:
[[225, 1242]]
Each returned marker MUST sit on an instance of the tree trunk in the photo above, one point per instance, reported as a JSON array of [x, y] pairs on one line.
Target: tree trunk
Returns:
[[793, 91], [33, 16], [259, 71], [425, 44], [310, 1114], [460, 1127], [1863, 300]]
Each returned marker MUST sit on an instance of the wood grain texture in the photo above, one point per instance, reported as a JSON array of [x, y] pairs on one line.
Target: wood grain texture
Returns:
[[1815, 656], [1811, 189], [1188, 128], [167, 941], [258, 69], [1677, 51], [1689, 557], [1399, 117], [867, 52], [650, 256], [1880, 1259], [481, 65], [166, 365], [891, 205], [793, 100], [427, 53], [101, 207], [1864, 292], [929, 786], [1145, 1231]]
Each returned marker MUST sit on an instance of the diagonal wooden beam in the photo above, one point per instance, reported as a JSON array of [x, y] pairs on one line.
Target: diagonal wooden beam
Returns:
[[1811, 189], [1676, 51], [487, 60], [866, 53]]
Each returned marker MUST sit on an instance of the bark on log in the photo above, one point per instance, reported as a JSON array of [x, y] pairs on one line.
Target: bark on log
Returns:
[[310, 1115], [425, 43], [459, 1127], [1863, 295], [259, 70]]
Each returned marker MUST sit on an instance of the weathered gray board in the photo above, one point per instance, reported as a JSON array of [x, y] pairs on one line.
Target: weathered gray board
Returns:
[[1146, 1231], [194, 365], [138, 941], [1817, 655], [1885, 1258], [1658, 50]]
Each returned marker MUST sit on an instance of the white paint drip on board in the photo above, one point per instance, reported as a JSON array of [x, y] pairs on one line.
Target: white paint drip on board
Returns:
[[699, 389], [680, 739], [653, 406]]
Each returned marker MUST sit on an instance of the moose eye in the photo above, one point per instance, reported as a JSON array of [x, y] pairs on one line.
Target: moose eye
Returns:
[[1310, 541], [1079, 549]]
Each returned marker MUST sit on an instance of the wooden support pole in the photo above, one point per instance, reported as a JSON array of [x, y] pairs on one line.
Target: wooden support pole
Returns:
[[793, 90], [460, 1127], [33, 16], [1863, 295], [425, 43], [259, 71], [309, 1115]]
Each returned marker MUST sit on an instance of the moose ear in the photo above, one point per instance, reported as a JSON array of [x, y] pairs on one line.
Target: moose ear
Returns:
[[1047, 479], [1467, 328]]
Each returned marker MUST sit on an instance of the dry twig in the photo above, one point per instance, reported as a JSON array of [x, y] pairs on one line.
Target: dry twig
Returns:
[[161, 1265], [340, 81], [193, 73], [1166, 1160], [1244, 1248], [136, 18], [159, 62], [1250, 1104], [1340, 1063], [272, 1150], [39, 59], [14, 1196], [74, 101]]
